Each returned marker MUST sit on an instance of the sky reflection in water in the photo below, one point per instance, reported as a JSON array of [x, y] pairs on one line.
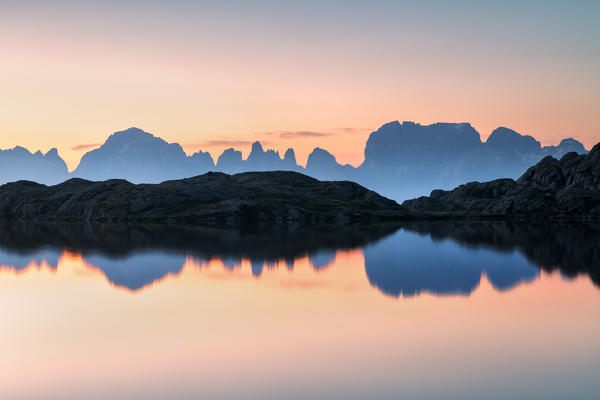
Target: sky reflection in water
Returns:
[[482, 315]]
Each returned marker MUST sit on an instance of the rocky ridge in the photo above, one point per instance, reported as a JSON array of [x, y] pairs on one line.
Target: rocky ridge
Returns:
[[214, 199], [566, 188]]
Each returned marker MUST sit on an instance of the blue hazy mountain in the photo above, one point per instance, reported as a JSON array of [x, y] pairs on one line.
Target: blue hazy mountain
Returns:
[[406, 160], [322, 165], [140, 157], [261, 160], [566, 146], [401, 160], [231, 161], [20, 164]]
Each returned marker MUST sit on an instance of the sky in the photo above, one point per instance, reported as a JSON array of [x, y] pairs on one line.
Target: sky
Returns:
[[212, 75]]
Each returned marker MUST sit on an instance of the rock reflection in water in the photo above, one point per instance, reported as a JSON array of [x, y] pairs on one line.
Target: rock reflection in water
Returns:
[[439, 257]]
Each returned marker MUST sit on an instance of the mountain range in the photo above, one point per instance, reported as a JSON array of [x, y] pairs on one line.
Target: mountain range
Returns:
[[401, 160]]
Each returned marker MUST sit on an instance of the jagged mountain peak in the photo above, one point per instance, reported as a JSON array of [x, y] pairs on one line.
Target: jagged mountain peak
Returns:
[[319, 153], [319, 160], [566, 146], [289, 154], [257, 147], [411, 143], [505, 139], [53, 152], [569, 141], [132, 135], [20, 149], [135, 155], [132, 131], [230, 161]]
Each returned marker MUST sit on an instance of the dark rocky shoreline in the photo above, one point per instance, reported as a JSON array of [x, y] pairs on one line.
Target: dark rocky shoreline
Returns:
[[252, 199]]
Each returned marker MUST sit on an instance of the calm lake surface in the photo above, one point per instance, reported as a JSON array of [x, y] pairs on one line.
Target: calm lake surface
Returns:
[[421, 311]]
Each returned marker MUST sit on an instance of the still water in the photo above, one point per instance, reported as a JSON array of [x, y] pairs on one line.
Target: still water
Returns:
[[421, 311]]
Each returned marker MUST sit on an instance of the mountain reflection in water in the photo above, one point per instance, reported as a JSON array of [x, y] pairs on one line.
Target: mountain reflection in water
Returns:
[[440, 257]]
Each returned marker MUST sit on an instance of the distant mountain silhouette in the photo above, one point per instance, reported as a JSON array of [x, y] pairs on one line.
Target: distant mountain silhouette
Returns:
[[402, 160], [260, 160], [407, 160], [140, 157], [231, 161], [322, 165], [20, 164]]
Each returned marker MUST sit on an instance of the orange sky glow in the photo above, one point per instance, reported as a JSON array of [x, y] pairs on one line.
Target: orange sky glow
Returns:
[[209, 78]]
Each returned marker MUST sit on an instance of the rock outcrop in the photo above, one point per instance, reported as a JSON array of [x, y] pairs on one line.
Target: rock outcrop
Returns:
[[213, 199], [569, 187]]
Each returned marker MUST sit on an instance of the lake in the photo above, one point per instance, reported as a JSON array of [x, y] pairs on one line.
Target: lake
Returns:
[[424, 310]]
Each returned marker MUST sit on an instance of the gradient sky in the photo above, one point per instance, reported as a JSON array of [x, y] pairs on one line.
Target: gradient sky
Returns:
[[212, 75]]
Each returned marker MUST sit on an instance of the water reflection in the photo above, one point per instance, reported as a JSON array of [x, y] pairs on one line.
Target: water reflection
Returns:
[[572, 248], [137, 270], [443, 258], [21, 261], [408, 264]]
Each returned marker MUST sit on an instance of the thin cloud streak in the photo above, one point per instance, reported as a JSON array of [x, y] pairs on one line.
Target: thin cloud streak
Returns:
[[85, 146], [354, 130], [298, 134], [222, 143]]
